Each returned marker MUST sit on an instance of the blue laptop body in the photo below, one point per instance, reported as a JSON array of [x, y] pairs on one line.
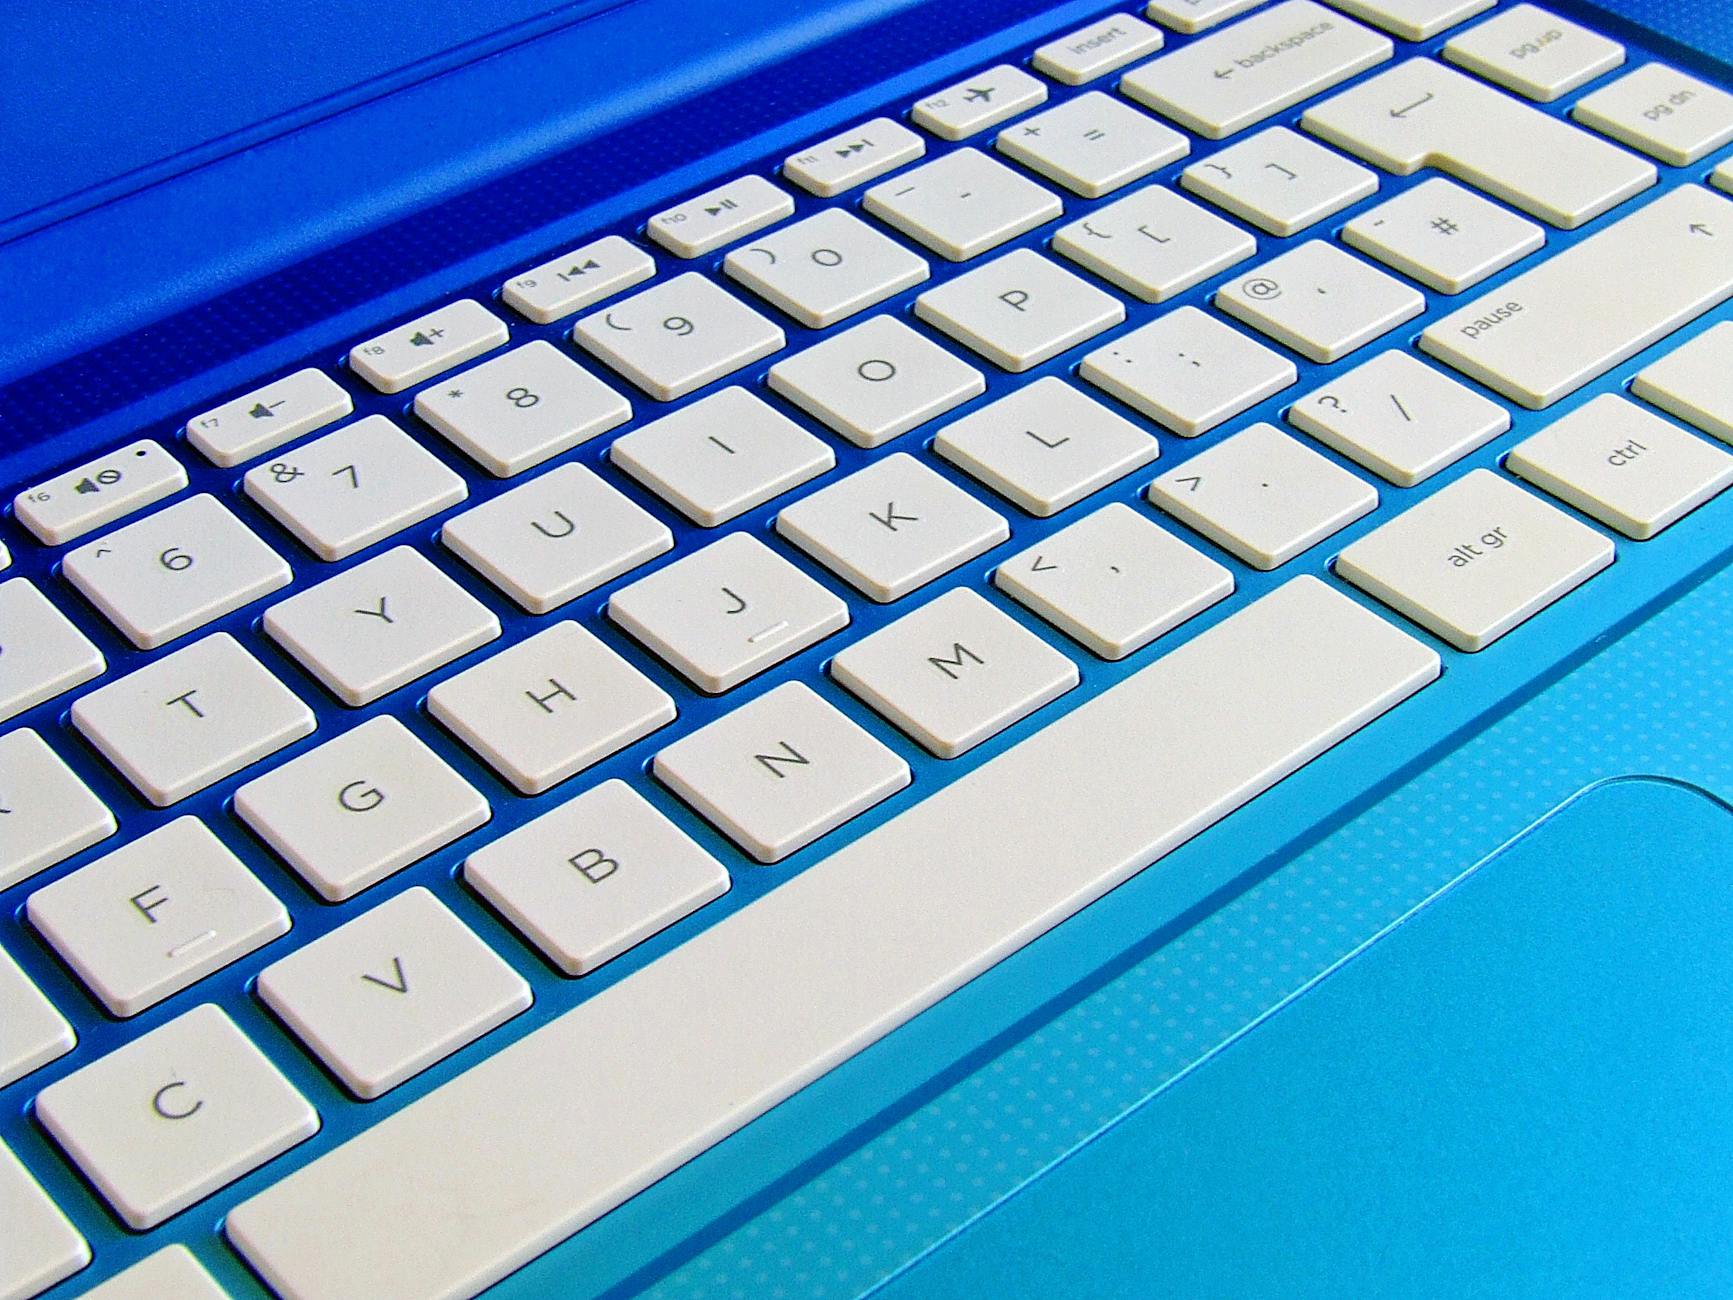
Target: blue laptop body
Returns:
[[1445, 1012]]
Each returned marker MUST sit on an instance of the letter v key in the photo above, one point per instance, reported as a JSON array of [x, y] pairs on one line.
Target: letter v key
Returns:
[[399, 985]]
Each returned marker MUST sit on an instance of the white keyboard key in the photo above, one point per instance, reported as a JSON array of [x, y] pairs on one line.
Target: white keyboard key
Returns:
[[1093, 144], [1263, 496], [268, 417], [98, 492], [1320, 301], [678, 335], [1114, 581], [169, 1118], [1224, 82], [343, 492], [1096, 50], [41, 1246], [1444, 236], [550, 706], [396, 990], [46, 813], [189, 719], [156, 915], [1475, 559], [356, 809], [955, 672], [41, 653], [556, 537], [779, 992], [5, 557], [1019, 310], [781, 771], [1188, 371], [523, 408], [875, 381], [986, 99], [380, 625], [163, 576], [598, 875], [892, 527], [727, 612], [419, 349], [1622, 465], [1544, 334], [1722, 177], [1414, 20], [586, 275], [1196, 15], [1279, 181], [1664, 112], [719, 216], [1399, 417], [825, 268], [1535, 53], [172, 1271], [32, 1032], [1690, 383], [1423, 114], [721, 456], [853, 157], [1153, 243], [1046, 446], [962, 204]]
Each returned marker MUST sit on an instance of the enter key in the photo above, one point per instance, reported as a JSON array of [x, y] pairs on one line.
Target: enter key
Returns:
[[1543, 335], [1475, 559]]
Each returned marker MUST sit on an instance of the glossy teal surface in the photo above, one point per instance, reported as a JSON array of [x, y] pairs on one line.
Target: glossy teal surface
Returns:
[[1519, 1091], [1613, 923]]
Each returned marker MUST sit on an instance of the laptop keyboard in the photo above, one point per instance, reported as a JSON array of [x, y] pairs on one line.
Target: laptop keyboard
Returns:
[[535, 663]]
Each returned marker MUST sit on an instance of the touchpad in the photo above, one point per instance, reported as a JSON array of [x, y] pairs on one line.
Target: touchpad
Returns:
[[1525, 1089]]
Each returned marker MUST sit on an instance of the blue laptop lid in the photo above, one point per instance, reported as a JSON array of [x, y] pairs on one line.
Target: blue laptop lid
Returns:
[[101, 103], [124, 134]]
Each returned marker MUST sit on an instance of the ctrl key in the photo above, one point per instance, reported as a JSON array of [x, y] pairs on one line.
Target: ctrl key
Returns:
[[175, 1115], [1475, 559]]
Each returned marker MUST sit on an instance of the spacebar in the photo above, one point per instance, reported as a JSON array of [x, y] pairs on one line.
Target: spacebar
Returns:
[[467, 1183]]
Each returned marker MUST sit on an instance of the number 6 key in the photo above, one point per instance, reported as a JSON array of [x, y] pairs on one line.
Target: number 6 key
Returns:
[[176, 570]]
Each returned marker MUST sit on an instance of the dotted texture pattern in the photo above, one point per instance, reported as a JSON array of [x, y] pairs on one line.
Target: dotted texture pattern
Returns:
[[1655, 703]]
